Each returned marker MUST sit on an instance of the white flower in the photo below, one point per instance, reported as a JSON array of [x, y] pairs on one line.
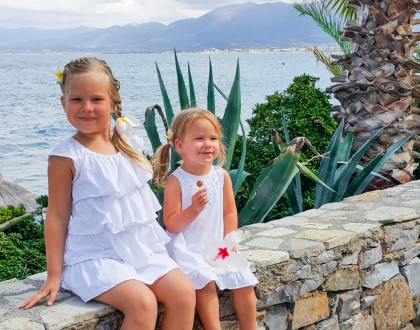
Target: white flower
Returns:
[[124, 125], [223, 255]]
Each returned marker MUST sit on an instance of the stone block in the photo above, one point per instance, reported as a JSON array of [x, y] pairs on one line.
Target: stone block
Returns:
[[330, 238], [394, 306], [313, 281], [399, 237], [264, 258], [20, 323], [269, 243], [411, 273], [328, 268], [304, 272], [74, 311], [391, 214], [328, 324], [409, 254], [310, 309], [345, 278], [277, 232], [348, 304], [276, 318], [302, 248], [379, 274], [14, 286], [275, 276], [366, 301], [358, 322], [370, 257], [286, 294], [351, 259]]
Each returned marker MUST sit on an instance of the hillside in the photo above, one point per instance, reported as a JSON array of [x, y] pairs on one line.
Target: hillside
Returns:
[[243, 26]]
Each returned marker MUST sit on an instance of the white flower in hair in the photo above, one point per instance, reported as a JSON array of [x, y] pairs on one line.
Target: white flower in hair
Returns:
[[223, 254], [124, 125]]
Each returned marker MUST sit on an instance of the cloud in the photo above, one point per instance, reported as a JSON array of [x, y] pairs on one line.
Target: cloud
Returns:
[[103, 13]]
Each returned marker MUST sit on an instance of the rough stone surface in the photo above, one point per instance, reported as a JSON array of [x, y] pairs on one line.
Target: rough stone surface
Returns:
[[411, 273], [310, 309], [345, 278], [348, 265], [380, 273], [394, 306]]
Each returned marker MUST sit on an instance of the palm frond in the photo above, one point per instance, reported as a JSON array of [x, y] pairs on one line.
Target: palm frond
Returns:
[[341, 7], [329, 23], [326, 60]]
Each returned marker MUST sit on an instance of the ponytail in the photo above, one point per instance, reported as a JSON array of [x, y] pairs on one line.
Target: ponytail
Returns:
[[161, 164]]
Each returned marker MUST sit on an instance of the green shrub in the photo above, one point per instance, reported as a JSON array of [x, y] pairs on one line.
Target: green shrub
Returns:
[[307, 111], [22, 248]]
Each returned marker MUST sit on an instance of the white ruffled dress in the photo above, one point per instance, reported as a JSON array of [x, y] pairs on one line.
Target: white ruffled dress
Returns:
[[190, 247], [113, 235]]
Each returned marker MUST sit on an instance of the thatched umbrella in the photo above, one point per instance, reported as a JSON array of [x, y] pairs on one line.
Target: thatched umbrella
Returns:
[[13, 194]]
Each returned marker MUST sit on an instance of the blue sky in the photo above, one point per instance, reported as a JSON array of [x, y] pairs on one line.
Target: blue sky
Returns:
[[53, 14]]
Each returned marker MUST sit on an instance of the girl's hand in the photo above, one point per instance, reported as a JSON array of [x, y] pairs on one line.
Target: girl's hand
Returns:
[[199, 200], [50, 288]]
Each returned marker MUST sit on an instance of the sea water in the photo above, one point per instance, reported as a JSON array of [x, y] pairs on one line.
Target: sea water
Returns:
[[33, 121]]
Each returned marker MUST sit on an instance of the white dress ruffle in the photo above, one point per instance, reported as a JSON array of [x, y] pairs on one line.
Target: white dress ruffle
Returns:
[[113, 222], [189, 247]]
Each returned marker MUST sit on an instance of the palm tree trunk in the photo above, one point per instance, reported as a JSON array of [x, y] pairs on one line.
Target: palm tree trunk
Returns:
[[378, 85]]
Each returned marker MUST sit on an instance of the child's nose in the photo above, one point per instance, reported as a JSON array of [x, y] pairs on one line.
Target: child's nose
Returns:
[[87, 106]]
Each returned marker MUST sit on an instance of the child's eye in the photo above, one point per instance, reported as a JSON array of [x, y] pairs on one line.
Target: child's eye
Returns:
[[76, 99], [96, 99]]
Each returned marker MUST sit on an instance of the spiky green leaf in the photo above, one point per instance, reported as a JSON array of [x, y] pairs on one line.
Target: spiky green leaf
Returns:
[[166, 102], [211, 103], [191, 85], [151, 129], [231, 118], [182, 89], [270, 188]]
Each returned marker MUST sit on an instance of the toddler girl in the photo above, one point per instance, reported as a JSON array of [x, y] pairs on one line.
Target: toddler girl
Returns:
[[199, 212]]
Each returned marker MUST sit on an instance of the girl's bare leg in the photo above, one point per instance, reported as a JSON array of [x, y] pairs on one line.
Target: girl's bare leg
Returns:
[[244, 302], [176, 292], [208, 307], [136, 301]]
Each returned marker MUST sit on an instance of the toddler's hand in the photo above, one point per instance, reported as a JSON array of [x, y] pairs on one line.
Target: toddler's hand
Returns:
[[199, 200]]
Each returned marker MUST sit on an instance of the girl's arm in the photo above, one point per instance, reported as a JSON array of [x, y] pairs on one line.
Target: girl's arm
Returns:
[[230, 214], [174, 218], [60, 177]]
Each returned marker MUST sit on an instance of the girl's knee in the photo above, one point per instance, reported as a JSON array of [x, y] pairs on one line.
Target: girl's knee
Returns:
[[185, 296], [143, 304]]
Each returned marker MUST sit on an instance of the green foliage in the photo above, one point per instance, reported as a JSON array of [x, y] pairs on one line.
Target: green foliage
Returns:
[[307, 112], [22, 249], [342, 172]]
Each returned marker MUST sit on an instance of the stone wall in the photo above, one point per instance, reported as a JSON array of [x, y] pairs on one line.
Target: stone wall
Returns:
[[348, 265]]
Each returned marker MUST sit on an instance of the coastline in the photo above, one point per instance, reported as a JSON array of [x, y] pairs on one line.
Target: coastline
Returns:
[[305, 49]]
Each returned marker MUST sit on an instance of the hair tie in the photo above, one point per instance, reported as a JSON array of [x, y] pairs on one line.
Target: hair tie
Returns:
[[169, 136], [124, 126]]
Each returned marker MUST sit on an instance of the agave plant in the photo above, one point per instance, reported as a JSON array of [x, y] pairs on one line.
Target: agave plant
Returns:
[[278, 175]]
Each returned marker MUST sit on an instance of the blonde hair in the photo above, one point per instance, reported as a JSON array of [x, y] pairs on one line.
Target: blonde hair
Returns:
[[179, 125], [95, 65]]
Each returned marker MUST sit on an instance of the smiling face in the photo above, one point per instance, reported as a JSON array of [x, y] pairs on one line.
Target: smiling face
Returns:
[[87, 103], [198, 147]]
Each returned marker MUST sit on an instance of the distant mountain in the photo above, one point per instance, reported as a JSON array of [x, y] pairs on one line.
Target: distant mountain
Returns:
[[243, 26]]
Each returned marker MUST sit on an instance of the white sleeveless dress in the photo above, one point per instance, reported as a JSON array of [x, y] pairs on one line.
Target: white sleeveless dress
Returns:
[[189, 247], [113, 235]]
